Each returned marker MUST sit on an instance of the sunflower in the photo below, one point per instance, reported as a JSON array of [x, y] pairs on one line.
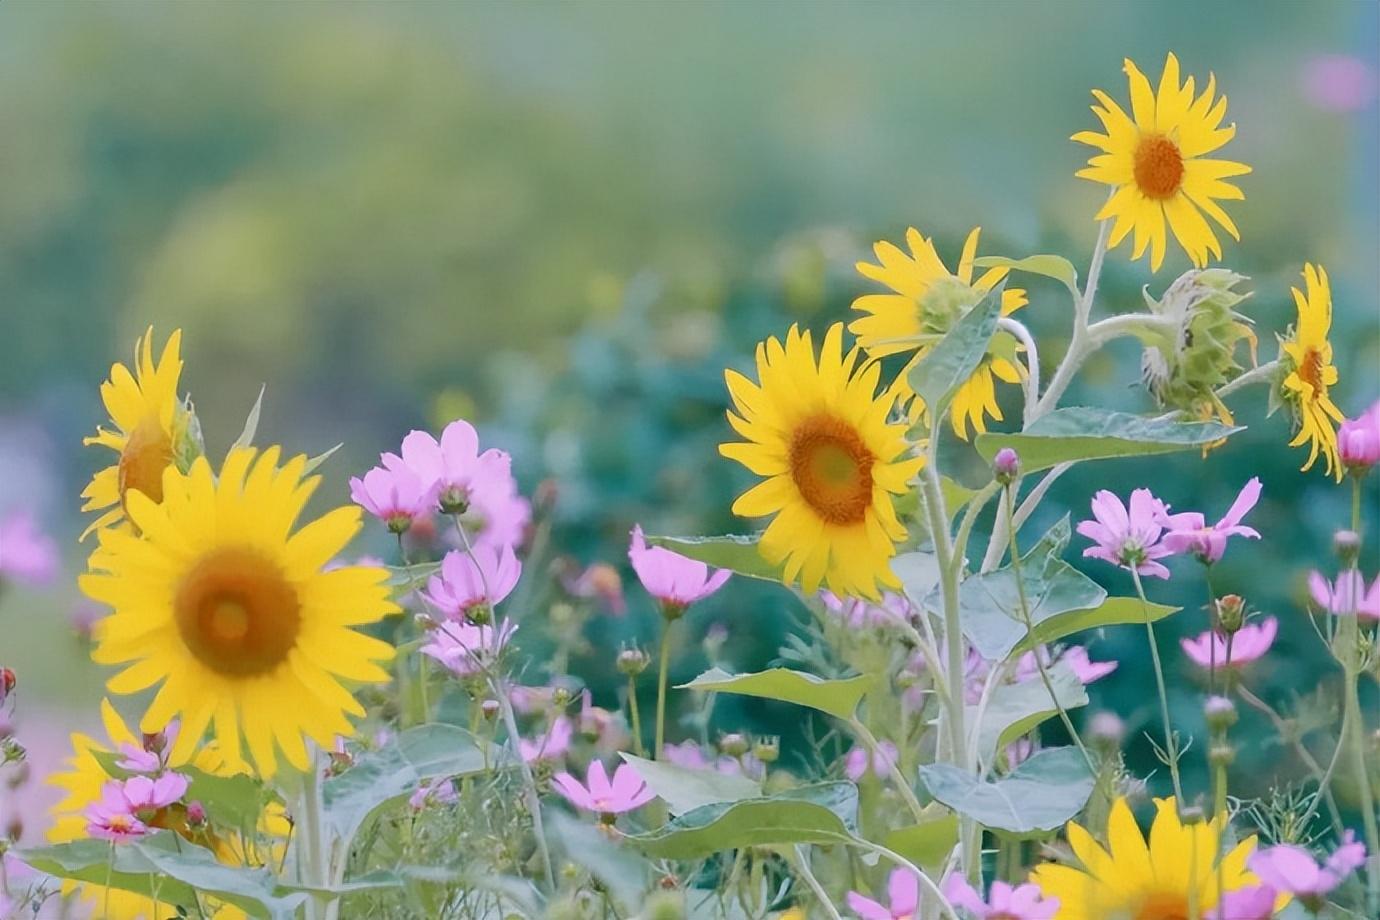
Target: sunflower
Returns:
[[1306, 356], [1132, 881], [149, 423], [925, 303], [1155, 162], [820, 435], [232, 612]]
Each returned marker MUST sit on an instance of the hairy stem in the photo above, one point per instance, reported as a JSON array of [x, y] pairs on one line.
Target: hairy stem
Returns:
[[801, 862], [665, 661], [1171, 744], [898, 779]]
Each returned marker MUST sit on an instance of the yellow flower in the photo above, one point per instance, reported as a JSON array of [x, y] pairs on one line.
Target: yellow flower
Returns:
[[925, 303], [820, 435], [1155, 161], [1132, 881], [229, 609], [1307, 357], [148, 420]]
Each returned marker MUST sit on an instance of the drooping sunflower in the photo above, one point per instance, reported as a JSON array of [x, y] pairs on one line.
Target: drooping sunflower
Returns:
[[1155, 159], [1306, 356], [925, 302], [820, 434], [1132, 881], [231, 611], [148, 420]]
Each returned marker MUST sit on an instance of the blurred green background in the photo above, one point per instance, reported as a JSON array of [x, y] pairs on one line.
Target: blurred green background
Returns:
[[564, 220]]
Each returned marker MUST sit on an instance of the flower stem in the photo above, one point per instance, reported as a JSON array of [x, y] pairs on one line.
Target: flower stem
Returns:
[[665, 662], [1357, 743], [315, 851], [869, 741], [1171, 745], [801, 862], [633, 716]]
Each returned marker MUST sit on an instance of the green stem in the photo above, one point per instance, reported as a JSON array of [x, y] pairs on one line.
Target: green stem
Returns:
[[1357, 744], [664, 667], [315, 851], [633, 715], [925, 881], [869, 741], [801, 861], [1171, 745]]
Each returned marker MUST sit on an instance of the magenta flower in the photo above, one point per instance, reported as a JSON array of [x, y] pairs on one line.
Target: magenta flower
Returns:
[[856, 613], [139, 760], [467, 581], [1358, 440], [903, 893], [1005, 902], [432, 793], [1019, 751], [1250, 643], [674, 580], [27, 555], [1347, 595], [881, 761], [1188, 531], [1293, 869], [625, 792], [143, 793], [466, 649], [1254, 903], [111, 819], [1075, 656], [395, 496], [551, 744], [1128, 538]]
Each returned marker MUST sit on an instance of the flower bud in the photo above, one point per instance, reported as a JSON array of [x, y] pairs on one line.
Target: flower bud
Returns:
[[1221, 755], [1220, 713], [490, 708], [1231, 613], [632, 661], [1106, 731], [155, 742], [196, 815], [664, 905], [1347, 545], [1358, 441], [560, 697], [1006, 466], [767, 748], [544, 499], [1191, 815], [7, 682], [734, 744]]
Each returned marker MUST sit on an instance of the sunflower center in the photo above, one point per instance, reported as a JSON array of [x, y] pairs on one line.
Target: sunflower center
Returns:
[[832, 468], [1163, 905], [148, 452], [1310, 369], [1159, 167], [237, 613]]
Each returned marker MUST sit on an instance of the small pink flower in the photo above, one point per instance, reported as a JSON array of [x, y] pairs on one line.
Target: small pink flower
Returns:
[[1254, 903], [467, 649], [599, 581], [435, 792], [1293, 869], [1347, 595], [893, 610], [1005, 902], [883, 759], [1128, 538], [467, 581], [1188, 531], [394, 496], [138, 760], [113, 822], [1075, 656], [1250, 643], [903, 893], [1358, 440], [1019, 751], [528, 700], [674, 580], [551, 744], [27, 555], [625, 792], [145, 793]]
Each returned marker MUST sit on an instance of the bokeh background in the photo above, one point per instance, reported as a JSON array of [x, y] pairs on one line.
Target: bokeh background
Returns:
[[562, 221]]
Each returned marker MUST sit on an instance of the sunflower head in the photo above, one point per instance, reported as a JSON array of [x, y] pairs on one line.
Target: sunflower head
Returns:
[[224, 602], [1155, 161], [820, 434], [925, 302], [1306, 372], [151, 430]]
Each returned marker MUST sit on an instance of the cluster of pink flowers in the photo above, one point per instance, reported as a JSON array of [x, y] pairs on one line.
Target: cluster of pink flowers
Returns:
[[27, 555], [433, 793], [882, 761], [603, 795], [466, 649], [1291, 870], [125, 807], [1004, 902], [1347, 595], [857, 613], [691, 756]]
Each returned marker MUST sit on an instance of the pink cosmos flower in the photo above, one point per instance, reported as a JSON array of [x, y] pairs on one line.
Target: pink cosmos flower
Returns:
[[1347, 595], [111, 819], [691, 756], [435, 792], [606, 729], [625, 792], [858, 613], [1254, 903], [1293, 869], [1128, 538], [466, 649], [27, 555], [394, 496], [528, 700], [1075, 656], [139, 760], [599, 581], [1250, 643], [674, 580], [903, 893], [1188, 531], [1358, 440], [551, 744], [466, 581], [1005, 902], [881, 761], [143, 793]]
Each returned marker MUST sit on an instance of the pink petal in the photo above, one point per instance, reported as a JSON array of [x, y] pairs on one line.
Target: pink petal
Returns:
[[904, 890], [866, 908], [1245, 501]]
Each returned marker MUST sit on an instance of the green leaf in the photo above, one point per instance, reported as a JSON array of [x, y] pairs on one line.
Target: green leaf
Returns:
[[927, 844], [1056, 267], [836, 697], [251, 423], [684, 789], [824, 813], [411, 576], [738, 554], [1014, 709], [380, 778], [947, 366], [621, 872], [1035, 799], [378, 880], [1114, 611], [919, 575], [232, 801], [1073, 434]]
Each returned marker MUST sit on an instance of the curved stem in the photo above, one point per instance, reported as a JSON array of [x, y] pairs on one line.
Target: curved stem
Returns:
[[1314, 768], [1171, 745], [801, 862], [1032, 360], [1260, 374], [997, 545], [970, 514], [869, 741], [1082, 309], [904, 863]]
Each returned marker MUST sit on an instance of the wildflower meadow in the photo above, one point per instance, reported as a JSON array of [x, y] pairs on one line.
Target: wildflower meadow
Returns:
[[393, 679]]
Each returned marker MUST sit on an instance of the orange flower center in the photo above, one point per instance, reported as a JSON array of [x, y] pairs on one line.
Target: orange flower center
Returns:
[[1163, 905], [237, 613], [1310, 369], [148, 452], [832, 468], [1159, 167]]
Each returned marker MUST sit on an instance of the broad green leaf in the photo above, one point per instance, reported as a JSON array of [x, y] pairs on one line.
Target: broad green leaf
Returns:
[[1073, 434], [251, 423], [927, 844], [378, 778], [378, 880], [836, 697], [919, 575], [955, 495], [947, 366], [738, 554], [232, 801], [1035, 799], [1014, 709], [684, 789], [824, 813], [1114, 611], [621, 872], [1056, 267]]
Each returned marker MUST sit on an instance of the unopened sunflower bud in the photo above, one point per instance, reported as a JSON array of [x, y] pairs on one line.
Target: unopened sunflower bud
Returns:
[[767, 748], [1231, 613], [491, 709], [1220, 713], [1106, 731], [196, 815], [734, 744], [1221, 755], [632, 661], [1006, 465], [1347, 545]]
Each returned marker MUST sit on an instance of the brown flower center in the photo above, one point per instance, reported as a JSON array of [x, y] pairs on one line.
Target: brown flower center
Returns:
[[1163, 905], [832, 468], [1159, 167], [1310, 369], [148, 452], [237, 613]]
